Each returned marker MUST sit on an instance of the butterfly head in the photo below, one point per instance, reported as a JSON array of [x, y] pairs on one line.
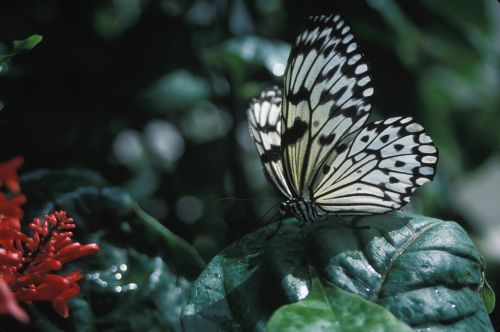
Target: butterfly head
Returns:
[[284, 208]]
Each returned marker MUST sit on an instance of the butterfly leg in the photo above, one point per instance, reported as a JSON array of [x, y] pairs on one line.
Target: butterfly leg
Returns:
[[270, 236]]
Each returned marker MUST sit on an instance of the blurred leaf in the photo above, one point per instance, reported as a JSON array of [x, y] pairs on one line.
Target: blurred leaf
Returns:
[[328, 308], [242, 55], [240, 21], [84, 194], [405, 37], [425, 271], [113, 18], [19, 46], [178, 89], [26, 44], [454, 60], [488, 296], [462, 13], [138, 281], [202, 13]]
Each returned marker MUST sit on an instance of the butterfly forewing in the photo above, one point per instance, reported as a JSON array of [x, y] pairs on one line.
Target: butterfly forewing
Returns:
[[377, 169], [264, 115], [326, 97]]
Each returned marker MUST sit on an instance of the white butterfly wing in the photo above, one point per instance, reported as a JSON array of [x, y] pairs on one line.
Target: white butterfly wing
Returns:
[[377, 169], [264, 116], [326, 97]]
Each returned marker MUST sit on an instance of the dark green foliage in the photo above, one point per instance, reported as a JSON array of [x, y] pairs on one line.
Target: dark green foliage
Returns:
[[425, 271], [139, 280], [108, 67]]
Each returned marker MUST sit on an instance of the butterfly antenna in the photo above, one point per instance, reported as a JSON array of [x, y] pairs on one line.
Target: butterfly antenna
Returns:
[[247, 200], [261, 219], [270, 236]]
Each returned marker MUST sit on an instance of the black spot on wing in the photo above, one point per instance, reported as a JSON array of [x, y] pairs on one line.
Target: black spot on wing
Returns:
[[267, 128], [273, 154], [341, 148], [295, 132], [398, 147], [371, 126], [326, 140], [351, 112]]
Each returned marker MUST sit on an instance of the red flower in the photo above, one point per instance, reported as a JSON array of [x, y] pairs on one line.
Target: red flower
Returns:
[[34, 257], [10, 209], [8, 173], [28, 263]]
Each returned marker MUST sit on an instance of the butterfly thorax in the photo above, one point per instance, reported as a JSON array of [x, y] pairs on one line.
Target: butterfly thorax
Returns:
[[302, 209]]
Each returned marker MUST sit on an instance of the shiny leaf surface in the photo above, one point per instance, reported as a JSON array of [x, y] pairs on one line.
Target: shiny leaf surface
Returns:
[[425, 271]]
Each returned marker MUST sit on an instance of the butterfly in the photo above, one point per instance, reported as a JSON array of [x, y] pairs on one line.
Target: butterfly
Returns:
[[312, 139]]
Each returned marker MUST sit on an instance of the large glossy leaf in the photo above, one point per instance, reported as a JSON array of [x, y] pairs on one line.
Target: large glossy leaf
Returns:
[[425, 271], [328, 308], [140, 279]]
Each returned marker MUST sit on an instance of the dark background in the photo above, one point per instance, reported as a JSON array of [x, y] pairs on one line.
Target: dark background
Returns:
[[152, 94]]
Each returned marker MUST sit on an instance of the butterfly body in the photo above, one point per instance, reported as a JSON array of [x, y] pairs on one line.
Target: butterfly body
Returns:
[[313, 142], [302, 209]]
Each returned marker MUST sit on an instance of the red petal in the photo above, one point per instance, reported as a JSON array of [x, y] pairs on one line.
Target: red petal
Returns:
[[8, 173], [45, 266], [61, 306], [76, 250], [9, 305], [56, 281], [9, 258]]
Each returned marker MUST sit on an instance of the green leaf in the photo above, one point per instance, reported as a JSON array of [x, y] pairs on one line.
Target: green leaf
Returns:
[[328, 308], [27, 44], [176, 90], [488, 296], [425, 271], [19, 46], [141, 277]]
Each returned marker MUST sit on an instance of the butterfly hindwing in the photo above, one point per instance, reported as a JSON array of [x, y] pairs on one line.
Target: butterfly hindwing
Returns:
[[326, 97], [265, 127], [377, 169]]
